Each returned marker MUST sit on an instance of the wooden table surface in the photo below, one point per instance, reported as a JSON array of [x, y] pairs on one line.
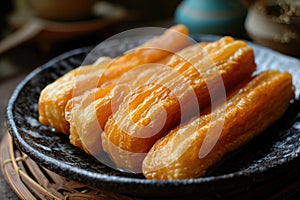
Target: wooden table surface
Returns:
[[6, 89]]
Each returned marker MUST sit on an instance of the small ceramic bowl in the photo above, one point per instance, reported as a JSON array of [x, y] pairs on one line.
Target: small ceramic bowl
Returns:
[[62, 10], [212, 17], [274, 31]]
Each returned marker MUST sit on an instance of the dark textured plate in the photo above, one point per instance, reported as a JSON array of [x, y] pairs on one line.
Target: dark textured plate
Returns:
[[262, 167]]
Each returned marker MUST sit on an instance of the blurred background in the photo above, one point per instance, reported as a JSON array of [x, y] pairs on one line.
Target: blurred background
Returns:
[[33, 31]]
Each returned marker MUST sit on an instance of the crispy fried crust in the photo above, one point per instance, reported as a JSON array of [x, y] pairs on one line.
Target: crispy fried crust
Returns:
[[188, 151], [54, 97], [173, 40], [88, 113], [81, 112], [151, 110]]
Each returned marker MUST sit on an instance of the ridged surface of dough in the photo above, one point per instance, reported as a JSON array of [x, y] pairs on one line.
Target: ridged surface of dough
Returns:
[[54, 97], [151, 110], [248, 111]]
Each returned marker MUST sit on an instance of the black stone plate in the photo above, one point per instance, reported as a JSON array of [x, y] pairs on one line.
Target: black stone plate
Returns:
[[261, 168]]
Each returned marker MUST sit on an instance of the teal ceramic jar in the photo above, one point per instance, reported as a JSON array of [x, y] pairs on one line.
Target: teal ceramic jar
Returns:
[[212, 16]]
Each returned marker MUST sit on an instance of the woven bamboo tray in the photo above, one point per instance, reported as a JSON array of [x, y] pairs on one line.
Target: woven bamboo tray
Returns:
[[31, 181]]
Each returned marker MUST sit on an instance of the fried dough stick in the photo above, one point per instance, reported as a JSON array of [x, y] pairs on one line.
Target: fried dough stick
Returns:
[[55, 96], [88, 113], [153, 109], [248, 112]]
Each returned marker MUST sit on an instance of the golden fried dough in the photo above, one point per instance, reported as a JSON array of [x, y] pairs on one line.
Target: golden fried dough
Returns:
[[191, 149], [88, 113], [87, 121], [55, 96], [151, 110]]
